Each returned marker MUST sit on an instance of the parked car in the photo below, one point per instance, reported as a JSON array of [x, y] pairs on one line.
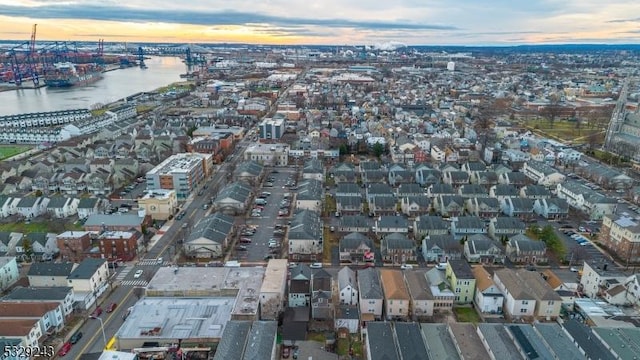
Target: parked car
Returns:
[[64, 350], [97, 312], [111, 307], [137, 274], [316, 266], [241, 248], [441, 266], [406, 267], [75, 337], [245, 240], [286, 352]]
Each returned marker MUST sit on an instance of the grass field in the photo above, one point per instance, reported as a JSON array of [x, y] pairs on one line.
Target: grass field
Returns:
[[12, 150], [467, 315], [566, 131], [45, 226]]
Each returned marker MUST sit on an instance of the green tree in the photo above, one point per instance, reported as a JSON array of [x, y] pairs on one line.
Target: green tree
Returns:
[[191, 129], [344, 149], [27, 248], [38, 193], [378, 149]]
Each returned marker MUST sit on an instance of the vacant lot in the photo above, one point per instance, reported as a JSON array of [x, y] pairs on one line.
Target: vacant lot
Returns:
[[466, 314], [12, 150]]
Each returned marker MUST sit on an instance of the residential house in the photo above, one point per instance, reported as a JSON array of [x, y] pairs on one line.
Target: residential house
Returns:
[[396, 295], [383, 205], [248, 171], [118, 245], [520, 208], [8, 205], [584, 199], [321, 295], [43, 247], [422, 300], [502, 227], [464, 226], [552, 208], [62, 207], [74, 245], [305, 236], [9, 272], [88, 206], [73, 183], [461, 280], [455, 178], [397, 248], [300, 286], [488, 298], [233, 199], [99, 183], [379, 190], [310, 195], [542, 174], [350, 204], [597, 277], [63, 295], [355, 223], [484, 207], [356, 247], [116, 222], [370, 296], [523, 250], [347, 317], [380, 343], [8, 242], [502, 191], [46, 274], [486, 179], [373, 176], [89, 280], [435, 190], [210, 236], [391, 224], [344, 173], [409, 189], [480, 249], [413, 206], [426, 176], [348, 189], [430, 225], [31, 207], [398, 175], [440, 248], [441, 290], [515, 178], [27, 324], [527, 294], [313, 169], [347, 286], [472, 191], [535, 192], [449, 205]]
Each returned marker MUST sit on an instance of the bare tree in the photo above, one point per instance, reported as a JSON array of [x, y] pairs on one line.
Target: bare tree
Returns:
[[552, 111]]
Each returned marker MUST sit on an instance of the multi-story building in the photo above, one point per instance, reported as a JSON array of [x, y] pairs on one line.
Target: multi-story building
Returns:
[[118, 245], [396, 294], [461, 280], [542, 174], [268, 154], [73, 244], [181, 172], [44, 119], [598, 277], [271, 128], [622, 235], [9, 272], [160, 204], [273, 289]]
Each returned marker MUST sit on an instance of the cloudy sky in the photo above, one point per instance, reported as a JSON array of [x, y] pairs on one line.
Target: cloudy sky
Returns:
[[333, 22]]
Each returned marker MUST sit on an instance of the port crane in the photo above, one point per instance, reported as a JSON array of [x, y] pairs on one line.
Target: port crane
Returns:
[[141, 58]]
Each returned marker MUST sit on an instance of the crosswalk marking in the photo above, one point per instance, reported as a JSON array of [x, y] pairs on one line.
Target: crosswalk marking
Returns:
[[124, 272], [150, 262], [141, 283]]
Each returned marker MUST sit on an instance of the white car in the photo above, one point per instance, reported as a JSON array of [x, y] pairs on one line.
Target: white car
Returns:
[[137, 274], [160, 260], [406, 267], [441, 266], [316, 266]]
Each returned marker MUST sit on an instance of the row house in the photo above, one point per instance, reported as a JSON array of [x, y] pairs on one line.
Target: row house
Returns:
[[343, 173], [45, 119], [463, 226], [356, 247], [398, 175], [515, 178], [480, 249], [455, 178], [501, 227], [427, 225], [542, 174], [355, 223], [99, 183], [62, 207], [409, 189], [305, 236], [621, 234], [584, 199], [396, 295], [485, 179], [440, 248], [535, 192], [488, 298], [397, 248], [8, 205], [502, 191], [348, 189], [31, 206], [383, 205], [438, 189], [520, 208], [521, 249], [351, 204], [484, 207], [449, 205], [469, 191], [552, 208], [391, 224], [379, 190], [426, 176], [413, 206]]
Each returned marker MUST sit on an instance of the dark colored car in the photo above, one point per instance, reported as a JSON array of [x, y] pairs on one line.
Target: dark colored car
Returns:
[[75, 337], [111, 307], [97, 312]]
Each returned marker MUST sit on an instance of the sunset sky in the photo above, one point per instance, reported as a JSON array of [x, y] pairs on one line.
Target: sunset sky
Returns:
[[331, 22]]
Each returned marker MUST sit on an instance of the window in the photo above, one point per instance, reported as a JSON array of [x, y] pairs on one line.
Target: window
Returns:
[[523, 310], [525, 302]]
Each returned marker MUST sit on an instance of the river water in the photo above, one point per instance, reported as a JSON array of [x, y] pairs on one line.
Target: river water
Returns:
[[117, 84]]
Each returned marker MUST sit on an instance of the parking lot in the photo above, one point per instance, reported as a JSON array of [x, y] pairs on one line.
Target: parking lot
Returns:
[[265, 223]]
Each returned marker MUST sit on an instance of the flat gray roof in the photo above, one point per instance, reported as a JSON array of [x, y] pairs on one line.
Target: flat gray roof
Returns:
[[242, 283], [155, 318], [498, 340], [625, 342], [558, 341], [439, 342], [468, 341], [529, 341]]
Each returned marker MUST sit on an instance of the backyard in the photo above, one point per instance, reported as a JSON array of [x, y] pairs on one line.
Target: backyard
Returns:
[[12, 150], [43, 226], [467, 315]]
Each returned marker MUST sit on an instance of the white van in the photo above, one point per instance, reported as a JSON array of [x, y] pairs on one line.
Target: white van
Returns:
[[441, 266], [232, 263]]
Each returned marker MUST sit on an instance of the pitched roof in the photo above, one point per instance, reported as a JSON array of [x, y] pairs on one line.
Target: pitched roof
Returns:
[[381, 344], [418, 286], [26, 309], [410, 343], [87, 268], [50, 269], [393, 284], [483, 278], [369, 285]]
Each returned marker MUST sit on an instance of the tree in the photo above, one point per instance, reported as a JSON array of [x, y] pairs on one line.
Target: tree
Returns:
[[344, 149], [552, 111], [378, 149], [27, 248]]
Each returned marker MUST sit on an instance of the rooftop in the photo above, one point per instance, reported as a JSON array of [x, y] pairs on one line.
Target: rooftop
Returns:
[[177, 318], [231, 346], [182, 163], [275, 274], [161, 194], [468, 342], [558, 341], [439, 342]]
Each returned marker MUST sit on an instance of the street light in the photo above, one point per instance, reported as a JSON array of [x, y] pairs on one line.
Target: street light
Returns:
[[104, 337]]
